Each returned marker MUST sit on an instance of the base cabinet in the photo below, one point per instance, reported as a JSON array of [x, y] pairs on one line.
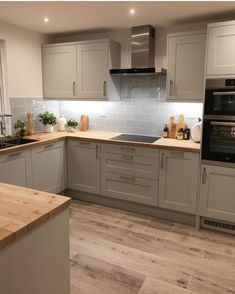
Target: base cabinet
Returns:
[[49, 167], [15, 169], [217, 193], [178, 181], [83, 166]]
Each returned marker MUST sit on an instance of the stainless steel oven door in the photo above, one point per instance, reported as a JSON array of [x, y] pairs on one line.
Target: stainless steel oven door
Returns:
[[218, 143]]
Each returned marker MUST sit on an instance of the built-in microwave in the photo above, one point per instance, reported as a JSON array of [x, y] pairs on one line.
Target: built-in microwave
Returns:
[[218, 138]]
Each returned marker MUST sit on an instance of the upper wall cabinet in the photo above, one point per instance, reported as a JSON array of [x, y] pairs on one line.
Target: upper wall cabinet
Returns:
[[186, 63], [59, 71], [81, 70], [221, 49]]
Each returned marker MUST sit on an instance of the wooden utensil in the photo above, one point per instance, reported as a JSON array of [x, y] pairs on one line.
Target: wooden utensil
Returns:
[[181, 124], [84, 123], [30, 124]]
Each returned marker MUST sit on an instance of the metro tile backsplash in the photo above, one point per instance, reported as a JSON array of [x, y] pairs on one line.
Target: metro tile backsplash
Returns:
[[142, 108]]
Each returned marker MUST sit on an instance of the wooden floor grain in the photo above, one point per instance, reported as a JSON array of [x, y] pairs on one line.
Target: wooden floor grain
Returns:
[[113, 251]]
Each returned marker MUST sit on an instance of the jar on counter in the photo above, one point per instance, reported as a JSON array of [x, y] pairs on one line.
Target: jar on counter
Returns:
[[180, 134], [61, 123], [186, 134]]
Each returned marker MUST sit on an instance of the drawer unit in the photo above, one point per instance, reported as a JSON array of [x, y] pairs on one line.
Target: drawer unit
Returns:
[[128, 160], [129, 188]]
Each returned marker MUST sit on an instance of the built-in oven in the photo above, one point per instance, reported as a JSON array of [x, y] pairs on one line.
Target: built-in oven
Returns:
[[218, 139]]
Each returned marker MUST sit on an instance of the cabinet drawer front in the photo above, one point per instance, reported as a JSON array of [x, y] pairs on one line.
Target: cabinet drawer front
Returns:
[[49, 146], [145, 167], [129, 188], [126, 149], [82, 144]]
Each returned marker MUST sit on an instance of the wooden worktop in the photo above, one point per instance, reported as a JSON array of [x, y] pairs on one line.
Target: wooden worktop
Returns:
[[23, 209], [105, 137]]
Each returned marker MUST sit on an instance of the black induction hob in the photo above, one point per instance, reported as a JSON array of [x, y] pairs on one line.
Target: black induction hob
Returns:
[[136, 138]]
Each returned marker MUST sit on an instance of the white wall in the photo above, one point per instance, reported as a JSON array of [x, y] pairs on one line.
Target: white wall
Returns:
[[124, 38], [23, 57]]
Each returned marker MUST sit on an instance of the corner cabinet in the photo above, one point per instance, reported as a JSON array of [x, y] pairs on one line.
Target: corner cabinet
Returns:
[[49, 167], [186, 63], [178, 181], [81, 70], [83, 166], [221, 49], [217, 193], [15, 168]]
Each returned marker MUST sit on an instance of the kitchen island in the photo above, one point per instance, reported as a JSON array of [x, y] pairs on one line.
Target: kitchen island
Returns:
[[34, 241]]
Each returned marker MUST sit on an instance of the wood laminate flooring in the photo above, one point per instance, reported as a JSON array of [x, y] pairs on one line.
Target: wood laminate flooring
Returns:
[[114, 251]]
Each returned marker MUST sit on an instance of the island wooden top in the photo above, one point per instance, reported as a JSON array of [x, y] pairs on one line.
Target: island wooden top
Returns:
[[23, 209], [105, 137]]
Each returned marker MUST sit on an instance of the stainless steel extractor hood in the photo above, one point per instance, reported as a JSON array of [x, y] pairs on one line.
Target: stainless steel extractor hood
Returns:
[[142, 53]]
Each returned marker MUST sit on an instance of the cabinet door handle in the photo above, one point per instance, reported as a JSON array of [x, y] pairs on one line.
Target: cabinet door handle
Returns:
[[162, 161], [14, 155], [177, 154], [49, 146], [104, 88], [97, 151], [127, 179], [128, 157], [171, 87], [204, 176], [128, 149], [84, 143], [74, 89]]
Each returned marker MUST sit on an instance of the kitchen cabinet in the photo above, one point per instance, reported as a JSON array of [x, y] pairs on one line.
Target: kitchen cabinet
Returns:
[[49, 167], [15, 168], [221, 49], [178, 180], [217, 193], [186, 62], [83, 166], [59, 71], [81, 70], [92, 70], [130, 173]]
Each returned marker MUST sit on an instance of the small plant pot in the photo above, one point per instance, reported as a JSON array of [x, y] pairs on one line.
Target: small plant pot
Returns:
[[48, 128], [72, 129]]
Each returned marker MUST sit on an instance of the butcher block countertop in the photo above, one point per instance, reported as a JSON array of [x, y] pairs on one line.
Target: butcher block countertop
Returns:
[[23, 209], [105, 137]]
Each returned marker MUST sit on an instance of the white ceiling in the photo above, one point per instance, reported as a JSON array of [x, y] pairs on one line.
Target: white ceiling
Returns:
[[66, 16]]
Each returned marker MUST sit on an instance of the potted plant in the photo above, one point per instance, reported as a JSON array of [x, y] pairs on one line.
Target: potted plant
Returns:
[[49, 120], [20, 128], [72, 125]]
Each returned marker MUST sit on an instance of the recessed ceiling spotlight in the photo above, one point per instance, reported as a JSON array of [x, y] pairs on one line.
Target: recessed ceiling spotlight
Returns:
[[46, 19], [132, 11]]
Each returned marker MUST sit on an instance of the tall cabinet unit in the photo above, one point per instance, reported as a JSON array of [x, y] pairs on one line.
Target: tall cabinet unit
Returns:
[[220, 49], [186, 62], [59, 71], [178, 180], [81, 70], [83, 166], [217, 193]]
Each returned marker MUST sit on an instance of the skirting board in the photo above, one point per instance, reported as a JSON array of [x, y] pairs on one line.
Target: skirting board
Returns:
[[133, 207]]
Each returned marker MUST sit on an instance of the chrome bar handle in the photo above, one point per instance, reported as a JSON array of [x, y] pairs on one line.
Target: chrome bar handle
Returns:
[[97, 151], [223, 93], [162, 161], [104, 89], [204, 175], [171, 87], [127, 179], [74, 89]]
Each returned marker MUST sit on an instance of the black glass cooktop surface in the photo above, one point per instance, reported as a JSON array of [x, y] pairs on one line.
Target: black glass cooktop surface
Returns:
[[136, 138]]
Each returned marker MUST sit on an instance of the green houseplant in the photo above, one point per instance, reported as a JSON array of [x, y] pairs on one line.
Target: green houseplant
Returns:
[[49, 120], [20, 128], [72, 125]]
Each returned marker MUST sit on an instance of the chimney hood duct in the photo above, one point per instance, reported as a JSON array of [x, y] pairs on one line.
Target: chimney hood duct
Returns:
[[142, 52]]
